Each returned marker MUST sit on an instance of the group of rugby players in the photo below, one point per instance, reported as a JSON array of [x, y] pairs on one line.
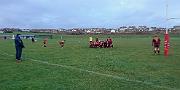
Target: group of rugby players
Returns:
[[100, 44], [108, 43], [92, 44]]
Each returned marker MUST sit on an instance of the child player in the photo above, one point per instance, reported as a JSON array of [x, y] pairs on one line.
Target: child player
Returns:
[[45, 41], [156, 43], [61, 43]]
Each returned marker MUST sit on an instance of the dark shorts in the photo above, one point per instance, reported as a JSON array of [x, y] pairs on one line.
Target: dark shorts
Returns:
[[62, 43], [156, 46]]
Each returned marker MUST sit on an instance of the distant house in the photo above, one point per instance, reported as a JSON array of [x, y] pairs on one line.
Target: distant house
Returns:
[[131, 29], [122, 29], [113, 31], [88, 31], [152, 28], [1, 31], [176, 27], [25, 30], [142, 29], [61, 29], [11, 30], [27, 36]]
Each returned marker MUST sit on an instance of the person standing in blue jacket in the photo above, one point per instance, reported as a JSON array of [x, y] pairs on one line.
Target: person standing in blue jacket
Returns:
[[19, 45]]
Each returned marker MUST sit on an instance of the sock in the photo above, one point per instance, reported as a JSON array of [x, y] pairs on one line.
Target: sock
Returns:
[[154, 51], [158, 51]]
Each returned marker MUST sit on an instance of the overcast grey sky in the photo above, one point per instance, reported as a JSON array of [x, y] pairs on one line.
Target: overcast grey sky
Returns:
[[86, 13]]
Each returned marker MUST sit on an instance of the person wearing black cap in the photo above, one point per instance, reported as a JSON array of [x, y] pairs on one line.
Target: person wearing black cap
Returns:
[[19, 45]]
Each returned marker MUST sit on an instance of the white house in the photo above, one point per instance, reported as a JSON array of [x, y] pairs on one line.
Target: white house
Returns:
[[177, 27], [1, 31], [25, 30], [113, 31]]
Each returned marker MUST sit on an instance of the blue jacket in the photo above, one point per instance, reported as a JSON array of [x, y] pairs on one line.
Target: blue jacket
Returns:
[[19, 42]]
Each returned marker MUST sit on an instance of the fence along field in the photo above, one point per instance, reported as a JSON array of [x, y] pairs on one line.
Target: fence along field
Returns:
[[130, 64]]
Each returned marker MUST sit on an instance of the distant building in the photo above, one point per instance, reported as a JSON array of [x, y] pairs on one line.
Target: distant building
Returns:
[[44, 30], [25, 30], [142, 29], [113, 31], [61, 29], [131, 29], [27, 36], [152, 28], [122, 29], [1, 31], [176, 27]]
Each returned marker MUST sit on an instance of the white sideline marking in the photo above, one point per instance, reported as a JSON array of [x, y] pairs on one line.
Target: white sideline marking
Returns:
[[97, 73]]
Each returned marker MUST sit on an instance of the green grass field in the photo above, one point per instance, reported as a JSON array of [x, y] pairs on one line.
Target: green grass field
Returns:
[[130, 65]]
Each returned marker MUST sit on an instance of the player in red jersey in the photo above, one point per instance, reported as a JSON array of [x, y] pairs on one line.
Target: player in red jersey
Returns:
[[109, 42], [156, 43]]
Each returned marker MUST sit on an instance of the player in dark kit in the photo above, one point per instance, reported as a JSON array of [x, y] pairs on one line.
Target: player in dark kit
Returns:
[[109, 42], [33, 40], [156, 43]]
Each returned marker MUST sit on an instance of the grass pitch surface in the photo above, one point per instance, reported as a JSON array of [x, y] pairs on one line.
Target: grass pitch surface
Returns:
[[130, 65]]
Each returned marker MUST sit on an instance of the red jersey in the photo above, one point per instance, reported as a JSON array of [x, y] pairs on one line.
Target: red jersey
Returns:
[[109, 40], [156, 42]]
